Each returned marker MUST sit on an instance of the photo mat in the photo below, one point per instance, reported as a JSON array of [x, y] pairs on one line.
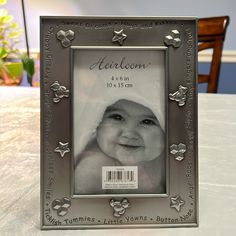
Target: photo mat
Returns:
[[129, 154]]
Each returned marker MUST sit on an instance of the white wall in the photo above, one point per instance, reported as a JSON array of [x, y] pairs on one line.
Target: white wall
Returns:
[[199, 8]]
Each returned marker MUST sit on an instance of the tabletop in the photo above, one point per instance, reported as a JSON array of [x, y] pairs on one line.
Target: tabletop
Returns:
[[20, 167]]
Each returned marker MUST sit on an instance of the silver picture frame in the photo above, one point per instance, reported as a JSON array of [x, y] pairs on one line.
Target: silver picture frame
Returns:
[[119, 135]]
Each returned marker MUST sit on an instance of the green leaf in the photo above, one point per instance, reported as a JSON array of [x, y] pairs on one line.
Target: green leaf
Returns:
[[28, 65], [2, 66], [4, 42], [7, 19], [3, 53], [14, 34], [13, 25], [14, 69]]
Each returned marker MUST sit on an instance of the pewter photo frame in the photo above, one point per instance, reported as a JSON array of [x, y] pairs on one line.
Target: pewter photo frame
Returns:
[[118, 122]]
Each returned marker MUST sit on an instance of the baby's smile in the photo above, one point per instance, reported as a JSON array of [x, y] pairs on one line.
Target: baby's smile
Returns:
[[130, 142], [130, 147]]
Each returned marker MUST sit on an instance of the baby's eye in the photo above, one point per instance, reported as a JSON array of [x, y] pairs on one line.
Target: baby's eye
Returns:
[[117, 117], [148, 122]]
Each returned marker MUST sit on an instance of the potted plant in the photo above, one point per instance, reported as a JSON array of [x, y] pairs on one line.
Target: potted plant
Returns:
[[12, 61]]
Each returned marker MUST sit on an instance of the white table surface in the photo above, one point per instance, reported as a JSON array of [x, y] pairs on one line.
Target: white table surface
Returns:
[[20, 164]]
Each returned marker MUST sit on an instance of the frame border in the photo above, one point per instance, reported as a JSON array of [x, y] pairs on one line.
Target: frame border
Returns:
[[42, 121]]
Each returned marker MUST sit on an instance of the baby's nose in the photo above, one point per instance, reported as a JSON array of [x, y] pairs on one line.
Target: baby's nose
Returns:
[[130, 132]]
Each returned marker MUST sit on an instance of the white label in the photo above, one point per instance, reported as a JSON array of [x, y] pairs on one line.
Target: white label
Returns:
[[119, 177]]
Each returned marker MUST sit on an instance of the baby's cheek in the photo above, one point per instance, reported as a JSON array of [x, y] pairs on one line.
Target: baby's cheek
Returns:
[[149, 133], [155, 137], [114, 132], [158, 133]]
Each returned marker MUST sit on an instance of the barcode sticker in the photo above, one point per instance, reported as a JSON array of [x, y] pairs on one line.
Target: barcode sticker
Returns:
[[119, 177]]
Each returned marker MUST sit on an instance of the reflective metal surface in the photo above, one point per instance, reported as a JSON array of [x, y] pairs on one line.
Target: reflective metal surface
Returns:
[[19, 175]]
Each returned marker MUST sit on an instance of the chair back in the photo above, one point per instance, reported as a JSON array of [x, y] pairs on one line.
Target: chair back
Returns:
[[211, 35]]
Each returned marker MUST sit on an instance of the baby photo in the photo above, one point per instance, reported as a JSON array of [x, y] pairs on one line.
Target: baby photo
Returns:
[[124, 128], [128, 135]]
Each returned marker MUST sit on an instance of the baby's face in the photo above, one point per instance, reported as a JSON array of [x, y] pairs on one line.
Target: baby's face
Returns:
[[130, 133]]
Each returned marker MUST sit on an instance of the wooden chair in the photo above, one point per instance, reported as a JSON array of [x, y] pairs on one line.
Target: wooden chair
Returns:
[[211, 34]]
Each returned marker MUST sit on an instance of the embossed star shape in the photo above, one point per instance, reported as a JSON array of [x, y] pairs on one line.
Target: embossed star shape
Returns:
[[62, 148], [119, 37], [176, 202]]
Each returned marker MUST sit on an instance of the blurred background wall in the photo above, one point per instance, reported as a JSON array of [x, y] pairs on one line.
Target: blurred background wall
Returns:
[[198, 8]]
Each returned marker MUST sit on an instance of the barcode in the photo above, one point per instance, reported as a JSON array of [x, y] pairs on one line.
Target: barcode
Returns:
[[120, 176]]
